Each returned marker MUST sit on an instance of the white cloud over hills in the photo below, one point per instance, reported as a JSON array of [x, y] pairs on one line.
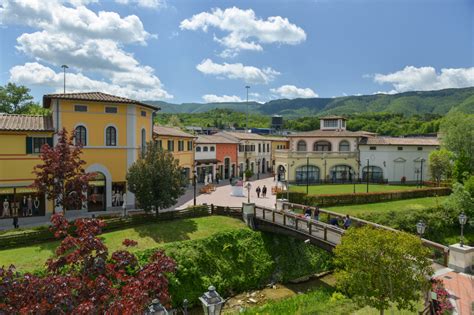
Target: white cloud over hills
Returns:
[[245, 30], [291, 91], [212, 98], [89, 43], [248, 74], [426, 78]]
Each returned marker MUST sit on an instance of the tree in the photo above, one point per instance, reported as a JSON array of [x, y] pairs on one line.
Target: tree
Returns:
[[156, 179], [15, 97], [379, 268], [82, 279], [440, 165], [61, 175], [459, 201]]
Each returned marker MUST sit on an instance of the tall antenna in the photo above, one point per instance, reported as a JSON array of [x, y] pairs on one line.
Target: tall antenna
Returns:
[[247, 118], [64, 68]]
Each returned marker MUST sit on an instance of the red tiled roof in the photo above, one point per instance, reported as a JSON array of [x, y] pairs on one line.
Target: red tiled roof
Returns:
[[401, 141], [93, 97], [12, 122], [171, 131], [241, 135], [215, 139]]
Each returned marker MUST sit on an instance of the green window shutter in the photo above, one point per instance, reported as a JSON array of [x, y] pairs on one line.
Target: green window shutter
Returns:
[[29, 145], [49, 141]]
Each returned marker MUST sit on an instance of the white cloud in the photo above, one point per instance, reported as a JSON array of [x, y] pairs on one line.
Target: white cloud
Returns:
[[426, 78], [291, 91], [84, 40], [152, 4], [249, 74], [212, 98], [245, 30], [33, 73]]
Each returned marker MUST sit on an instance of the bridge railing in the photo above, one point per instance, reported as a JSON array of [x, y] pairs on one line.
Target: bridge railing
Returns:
[[293, 221], [444, 250]]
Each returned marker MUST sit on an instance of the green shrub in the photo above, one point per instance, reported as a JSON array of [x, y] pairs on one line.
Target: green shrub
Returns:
[[237, 261]]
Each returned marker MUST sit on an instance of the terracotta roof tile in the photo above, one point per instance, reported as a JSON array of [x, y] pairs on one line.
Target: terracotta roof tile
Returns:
[[93, 97], [401, 141], [215, 139], [330, 133], [241, 135], [12, 122], [171, 131]]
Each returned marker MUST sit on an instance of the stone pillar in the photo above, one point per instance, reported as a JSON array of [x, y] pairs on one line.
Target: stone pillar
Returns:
[[279, 204], [247, 213], [461, 259]]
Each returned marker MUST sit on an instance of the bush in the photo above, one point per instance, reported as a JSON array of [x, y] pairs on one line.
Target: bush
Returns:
[[469, 185], [237, 261]]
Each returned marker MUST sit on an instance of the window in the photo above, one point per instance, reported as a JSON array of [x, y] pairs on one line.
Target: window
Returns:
[[143, 113], [341, 173], [252, 148], [400, 148], [39, 142], [268, 147], [111, 136], [190, 145], [111, 110], [81, 135], [181, 145], [143, 141], [212, 149], [170, 145], [308, 173], [420, 148], [322, 146], [330, 123], [373, 148], [241, 148], [80, 108], [375, 173], [301, 146], [260, 147], [198, 149], [344, 146], [159, 143], [205, 149]]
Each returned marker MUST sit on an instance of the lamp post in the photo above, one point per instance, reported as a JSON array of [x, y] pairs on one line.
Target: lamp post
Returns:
[[212, 302], [194, 186], [462, 220], [257, 161], [248, 186], [307, 174], [64, 71], [156, 308], [421, 173], [367, 174], [247, 117], [354, 181], [420, 228]]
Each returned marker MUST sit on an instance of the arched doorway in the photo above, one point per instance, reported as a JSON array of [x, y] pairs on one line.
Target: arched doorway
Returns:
[[96, 193], [226, 167], [263, 165], [341, 173], [374, 173], [307, 173], [281, 171]]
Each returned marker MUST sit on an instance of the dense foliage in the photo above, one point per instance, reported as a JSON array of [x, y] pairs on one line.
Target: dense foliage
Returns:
[[16, 99], [378, 268], [61, 174], [156, 178], [237, 261], [440, 162], [82, 279]]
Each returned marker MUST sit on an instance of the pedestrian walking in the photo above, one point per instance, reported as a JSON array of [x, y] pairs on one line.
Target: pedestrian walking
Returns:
[[258, 190], [316, 213], [347, 222], [307, 212], [15, 221], [264, 191]]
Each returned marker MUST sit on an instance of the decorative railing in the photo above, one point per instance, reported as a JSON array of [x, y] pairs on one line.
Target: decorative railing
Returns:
[[315, 154]]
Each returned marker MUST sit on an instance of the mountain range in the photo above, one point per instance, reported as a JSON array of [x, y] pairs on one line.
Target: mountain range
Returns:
[[408, 103]]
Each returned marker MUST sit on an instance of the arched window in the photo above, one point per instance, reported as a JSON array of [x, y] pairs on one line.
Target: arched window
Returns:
[[198, 149], [309, 172], [344, 146], [212, 149], [81, 135], [143, 141], [341, 173], [375, 173], [301, 146], [205, 149], [322, 146], [110, 136]]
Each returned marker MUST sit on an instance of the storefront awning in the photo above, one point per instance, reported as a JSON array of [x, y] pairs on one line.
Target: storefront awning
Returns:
[[208, 161]]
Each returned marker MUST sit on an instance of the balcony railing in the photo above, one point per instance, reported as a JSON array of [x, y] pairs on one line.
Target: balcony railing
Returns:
[[315, 154]]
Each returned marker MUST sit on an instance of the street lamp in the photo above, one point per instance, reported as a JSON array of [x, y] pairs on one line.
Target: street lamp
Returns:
[[247, 118], [248, 186], [64, 69], [194, 186], [462, 221], [257, 161], [212, 302], [420, 228], [156, 308]]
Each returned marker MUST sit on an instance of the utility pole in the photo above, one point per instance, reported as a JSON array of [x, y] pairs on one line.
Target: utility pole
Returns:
[[64, 70], [421, 174], [247, 118], [307, 175], [368, 174]]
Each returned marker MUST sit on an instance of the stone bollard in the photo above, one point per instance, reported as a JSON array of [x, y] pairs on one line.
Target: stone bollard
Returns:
[[248, 214], [461, 259]]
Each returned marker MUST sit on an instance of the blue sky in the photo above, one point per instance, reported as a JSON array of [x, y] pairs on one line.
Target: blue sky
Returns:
[[196, 51]]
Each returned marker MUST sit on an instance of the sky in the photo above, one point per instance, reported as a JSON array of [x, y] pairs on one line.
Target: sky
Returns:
[[209, 51]]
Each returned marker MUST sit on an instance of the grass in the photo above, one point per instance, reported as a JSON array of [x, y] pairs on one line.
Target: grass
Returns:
[[383, 207], [33, 257], [348, 188]]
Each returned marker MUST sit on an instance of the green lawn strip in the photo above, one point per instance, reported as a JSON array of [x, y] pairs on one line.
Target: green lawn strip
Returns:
[[348, 188], [30, 258], [384, 207]]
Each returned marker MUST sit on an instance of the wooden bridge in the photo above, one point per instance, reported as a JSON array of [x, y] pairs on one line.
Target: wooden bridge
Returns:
[[318, 233]]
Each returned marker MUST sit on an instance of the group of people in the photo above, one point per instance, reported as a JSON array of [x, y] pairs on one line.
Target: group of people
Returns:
[[346, 221], [27, 207], [262, 191]]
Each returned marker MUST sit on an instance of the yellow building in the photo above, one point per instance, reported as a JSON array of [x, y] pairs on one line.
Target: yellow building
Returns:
[[180, 143], [113, 130], [278, 143]]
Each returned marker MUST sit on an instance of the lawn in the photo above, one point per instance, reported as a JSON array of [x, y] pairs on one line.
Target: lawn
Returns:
[[348, 188], [148, 236], [383, 207]]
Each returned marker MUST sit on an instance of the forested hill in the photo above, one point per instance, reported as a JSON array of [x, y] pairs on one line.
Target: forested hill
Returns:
[[408, 103]]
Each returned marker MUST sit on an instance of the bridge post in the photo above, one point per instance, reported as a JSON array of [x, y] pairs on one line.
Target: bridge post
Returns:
[[248, 213], [460, 258], [280, 204]]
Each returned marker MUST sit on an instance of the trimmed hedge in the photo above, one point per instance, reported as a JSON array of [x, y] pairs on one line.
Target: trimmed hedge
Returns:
[[237, 261], [327, 200], [43, 234]]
